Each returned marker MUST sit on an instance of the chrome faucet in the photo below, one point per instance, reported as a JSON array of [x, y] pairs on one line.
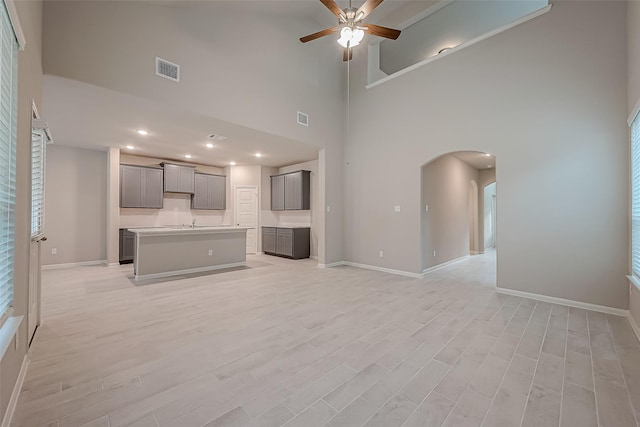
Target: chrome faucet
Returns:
[[193, 222]]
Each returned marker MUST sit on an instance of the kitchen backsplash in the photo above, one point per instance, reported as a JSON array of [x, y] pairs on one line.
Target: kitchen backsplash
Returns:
[[176, 211]]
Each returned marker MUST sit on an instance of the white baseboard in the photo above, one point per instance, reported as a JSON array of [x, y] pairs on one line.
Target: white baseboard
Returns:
[[444, 264], [15, 394], [333, 264], [189, 271], [568, 302], [634, 325], [114, 264], [384, 270], [75, 264], [314, 257]]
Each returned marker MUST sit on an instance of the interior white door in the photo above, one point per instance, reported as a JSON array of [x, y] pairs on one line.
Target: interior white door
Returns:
[[38, 152], [247, 215], [34, 288]]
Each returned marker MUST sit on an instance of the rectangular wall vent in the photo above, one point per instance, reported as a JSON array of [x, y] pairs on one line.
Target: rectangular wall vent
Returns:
[[303, 119], [167, 69]]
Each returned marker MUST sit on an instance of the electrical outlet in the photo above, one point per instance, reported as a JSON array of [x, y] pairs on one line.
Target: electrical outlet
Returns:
[[210, 252], [396, 208], [426, 208], [54, 251], [328, 208], [434, 253], [381, 254]]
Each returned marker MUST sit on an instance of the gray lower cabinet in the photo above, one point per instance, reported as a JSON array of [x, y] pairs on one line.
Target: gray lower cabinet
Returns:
[[269, 240], [287, 242], [140, 187], [291, 191], [127, 246], [179, 178], [210, 192]]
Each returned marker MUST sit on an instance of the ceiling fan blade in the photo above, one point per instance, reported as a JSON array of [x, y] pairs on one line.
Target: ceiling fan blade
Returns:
[[333, 7], [377, 30], [318, 34], [347, 54], [367, 8]]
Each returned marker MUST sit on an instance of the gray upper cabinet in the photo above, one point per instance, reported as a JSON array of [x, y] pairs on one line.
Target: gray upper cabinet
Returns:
[[277, 193], [210, 192], [178, 178], [140, 187], [291, 191]]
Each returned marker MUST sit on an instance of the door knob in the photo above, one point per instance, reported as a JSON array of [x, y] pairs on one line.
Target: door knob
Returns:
[[44, 239]]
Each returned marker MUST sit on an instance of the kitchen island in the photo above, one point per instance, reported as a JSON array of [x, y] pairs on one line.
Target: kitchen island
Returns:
[[170, 251]]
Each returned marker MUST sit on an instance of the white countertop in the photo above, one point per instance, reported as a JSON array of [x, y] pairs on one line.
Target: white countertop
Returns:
[[287, 226], [199, 229]]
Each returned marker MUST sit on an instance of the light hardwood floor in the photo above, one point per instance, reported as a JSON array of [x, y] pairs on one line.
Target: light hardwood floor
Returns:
[[285, 343]]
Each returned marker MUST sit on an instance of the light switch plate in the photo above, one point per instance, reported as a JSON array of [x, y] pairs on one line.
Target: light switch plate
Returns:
[[396, 208], [328, 208]]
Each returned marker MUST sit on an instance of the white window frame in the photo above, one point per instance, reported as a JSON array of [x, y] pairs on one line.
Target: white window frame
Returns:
[[8, 103], [634, 131]]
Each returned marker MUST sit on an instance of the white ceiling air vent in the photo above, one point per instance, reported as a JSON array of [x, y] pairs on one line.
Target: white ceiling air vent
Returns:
[[303, 119], [167, 69]]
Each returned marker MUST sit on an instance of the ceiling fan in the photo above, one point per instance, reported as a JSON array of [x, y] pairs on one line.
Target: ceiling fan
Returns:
[[351, 27]]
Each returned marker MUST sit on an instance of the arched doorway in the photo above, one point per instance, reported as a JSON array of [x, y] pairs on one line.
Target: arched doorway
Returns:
[[453, 207]]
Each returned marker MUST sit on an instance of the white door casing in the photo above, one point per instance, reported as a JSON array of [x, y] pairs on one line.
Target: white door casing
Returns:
[[246, 214]]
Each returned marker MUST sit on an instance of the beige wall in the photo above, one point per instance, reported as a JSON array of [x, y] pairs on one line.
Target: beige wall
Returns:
[[75, 205], [548, 98], [29, 88], [446, 226]]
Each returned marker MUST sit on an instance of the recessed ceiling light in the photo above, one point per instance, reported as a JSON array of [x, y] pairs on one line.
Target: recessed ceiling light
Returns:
[[232, 163], [258, 155], [209, 145], [487, 154], [489, 167], [188, 156], [142, 132], [130, 147]]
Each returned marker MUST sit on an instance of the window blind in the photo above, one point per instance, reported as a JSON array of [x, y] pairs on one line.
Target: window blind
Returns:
[[8, 127], [38, 155], [635, 196]]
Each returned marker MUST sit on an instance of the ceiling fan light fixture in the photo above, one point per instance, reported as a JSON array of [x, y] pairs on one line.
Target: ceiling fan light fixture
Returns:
[[350, 38], [345, 37]]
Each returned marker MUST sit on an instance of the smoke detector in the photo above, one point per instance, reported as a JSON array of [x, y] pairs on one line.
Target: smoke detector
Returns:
[[217, 137]]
